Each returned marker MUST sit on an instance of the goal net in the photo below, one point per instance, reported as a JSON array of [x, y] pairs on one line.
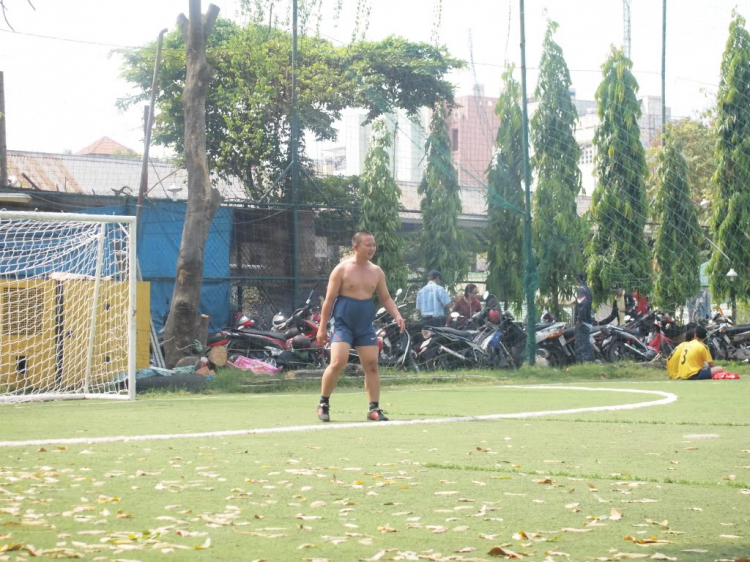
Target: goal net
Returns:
[[67, 306]]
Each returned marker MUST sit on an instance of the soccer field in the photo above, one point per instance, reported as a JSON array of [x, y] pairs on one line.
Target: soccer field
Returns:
[[668, 480]]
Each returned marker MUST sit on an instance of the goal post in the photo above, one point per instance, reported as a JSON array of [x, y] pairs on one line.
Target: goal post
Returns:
[[67, 306]]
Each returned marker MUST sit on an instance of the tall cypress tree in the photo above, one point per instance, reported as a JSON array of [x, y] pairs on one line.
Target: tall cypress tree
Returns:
[[617, 251], [678, 235], [380, 206], [444, 245], [505, 199], [558, 230], [731, 218]]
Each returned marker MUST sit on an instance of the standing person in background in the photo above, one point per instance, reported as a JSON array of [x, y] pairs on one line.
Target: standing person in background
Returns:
[[468, 305], [641, 303], [432, 300], [583, 319]]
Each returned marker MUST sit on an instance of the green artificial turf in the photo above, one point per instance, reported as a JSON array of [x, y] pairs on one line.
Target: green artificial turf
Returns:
[[587, 485]]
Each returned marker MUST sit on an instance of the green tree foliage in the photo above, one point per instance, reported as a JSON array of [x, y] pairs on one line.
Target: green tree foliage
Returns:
[[444, 245], [249, 101], [505, 199], [697, 138], [558, 230], [380, 205], [617, 251], [731, 207], [678, 234]]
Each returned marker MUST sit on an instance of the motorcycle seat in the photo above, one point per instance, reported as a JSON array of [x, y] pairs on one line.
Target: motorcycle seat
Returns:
[[735, 330], [626, 330], [466, 334], [274, 335], [543, 326]]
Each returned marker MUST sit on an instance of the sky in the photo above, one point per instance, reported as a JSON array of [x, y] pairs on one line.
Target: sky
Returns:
[[62, 80]]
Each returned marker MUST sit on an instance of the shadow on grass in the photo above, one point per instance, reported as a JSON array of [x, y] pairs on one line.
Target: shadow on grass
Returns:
[[231, 380]]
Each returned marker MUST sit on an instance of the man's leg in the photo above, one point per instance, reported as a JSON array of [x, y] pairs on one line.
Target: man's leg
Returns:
[[588, 350], [339, 359], [368, 357], [583, 349]]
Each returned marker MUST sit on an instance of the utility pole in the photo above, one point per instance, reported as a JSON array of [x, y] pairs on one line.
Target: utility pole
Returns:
[[3, 144], [294, 146], [530, 269], [626, 27], [148, 123], [663, 70]]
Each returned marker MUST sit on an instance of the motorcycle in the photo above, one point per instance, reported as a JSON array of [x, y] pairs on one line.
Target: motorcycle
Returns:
[[728, 342], [276, 346], [558, 347], [395, 347], [625, 343], [448, 348]]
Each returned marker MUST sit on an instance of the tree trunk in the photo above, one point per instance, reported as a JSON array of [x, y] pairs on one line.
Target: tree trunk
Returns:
[[203, 200]]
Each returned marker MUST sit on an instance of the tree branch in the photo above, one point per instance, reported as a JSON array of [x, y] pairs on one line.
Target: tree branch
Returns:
[[182, 23], [5, 17], [210, 19]]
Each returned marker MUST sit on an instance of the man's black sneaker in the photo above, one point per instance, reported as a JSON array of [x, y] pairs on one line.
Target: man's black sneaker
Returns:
[[323, 412], [376, 414]]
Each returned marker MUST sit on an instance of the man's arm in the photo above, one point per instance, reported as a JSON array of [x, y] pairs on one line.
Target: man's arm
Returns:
[[385, 299], [446, 297], [334, 286]]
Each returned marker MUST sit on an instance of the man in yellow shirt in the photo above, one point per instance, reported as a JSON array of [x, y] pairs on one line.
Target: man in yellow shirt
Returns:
[[690, 357], [673, 361]]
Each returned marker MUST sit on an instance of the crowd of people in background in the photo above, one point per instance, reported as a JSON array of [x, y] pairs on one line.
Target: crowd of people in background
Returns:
[[691, 360], [433, 300]]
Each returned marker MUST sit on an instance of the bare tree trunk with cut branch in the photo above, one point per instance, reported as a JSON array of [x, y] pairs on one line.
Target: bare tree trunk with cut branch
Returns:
[[203, 200]]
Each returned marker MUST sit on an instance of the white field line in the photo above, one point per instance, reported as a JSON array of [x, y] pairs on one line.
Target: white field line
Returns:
[[667, 398]]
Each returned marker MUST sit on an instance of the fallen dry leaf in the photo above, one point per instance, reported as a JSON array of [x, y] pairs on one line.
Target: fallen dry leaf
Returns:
[[465, 549], [615, 515], [500, 551], [660, 556]]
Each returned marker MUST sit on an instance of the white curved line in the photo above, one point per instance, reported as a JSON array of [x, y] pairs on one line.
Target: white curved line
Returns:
[[668, 398]]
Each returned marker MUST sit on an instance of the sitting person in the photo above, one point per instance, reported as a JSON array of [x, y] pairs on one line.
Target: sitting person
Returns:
[[469, 304], [691, 360], [673, 361]]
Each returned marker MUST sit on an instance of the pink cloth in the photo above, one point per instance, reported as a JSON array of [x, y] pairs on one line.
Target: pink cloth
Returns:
[[255, 366], [726, 376]]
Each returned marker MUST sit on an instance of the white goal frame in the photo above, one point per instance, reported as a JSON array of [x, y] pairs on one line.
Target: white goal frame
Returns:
[[128, 224]]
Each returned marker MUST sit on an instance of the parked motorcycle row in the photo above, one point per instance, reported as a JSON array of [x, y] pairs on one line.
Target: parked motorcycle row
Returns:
[[491, 338]]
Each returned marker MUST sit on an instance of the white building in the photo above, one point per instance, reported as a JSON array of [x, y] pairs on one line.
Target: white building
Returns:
[[588, 120], [407, 152]]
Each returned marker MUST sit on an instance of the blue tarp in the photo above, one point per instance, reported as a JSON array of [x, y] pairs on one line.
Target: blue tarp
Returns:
[[159, 245]]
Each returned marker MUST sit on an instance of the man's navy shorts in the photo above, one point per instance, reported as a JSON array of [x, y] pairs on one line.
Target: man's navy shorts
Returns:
[[353, 322], [703, 374]]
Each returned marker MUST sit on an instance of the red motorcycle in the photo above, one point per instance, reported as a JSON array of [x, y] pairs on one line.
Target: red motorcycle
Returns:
[[295, 334]]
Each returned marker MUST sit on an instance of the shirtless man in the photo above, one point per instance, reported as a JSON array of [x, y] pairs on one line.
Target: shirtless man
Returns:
[[351, 286]]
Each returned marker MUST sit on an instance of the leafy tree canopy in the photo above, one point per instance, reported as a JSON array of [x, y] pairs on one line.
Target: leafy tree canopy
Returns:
[[249, 101], [678, 234], [617, 252], [380, 207], [697, 139], [558, 230], [731, 206], [505, 201], [444, 244]]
